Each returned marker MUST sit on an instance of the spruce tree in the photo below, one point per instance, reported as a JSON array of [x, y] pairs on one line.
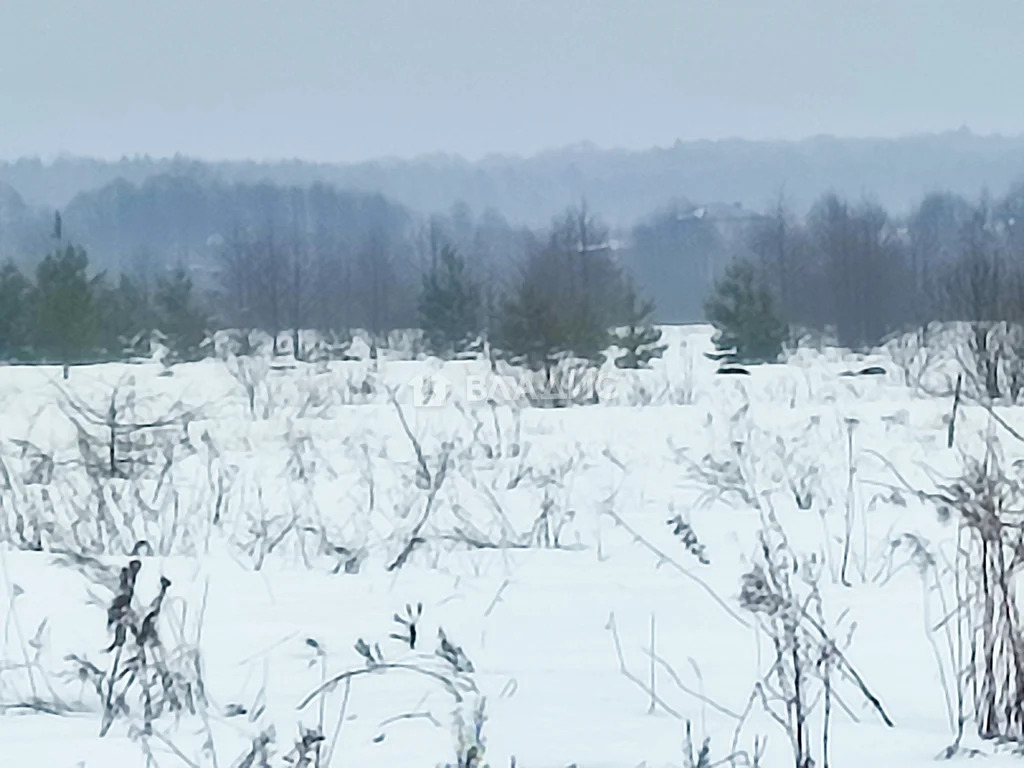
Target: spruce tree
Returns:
[[67, 321], [563, 306], [126, 316], [530, 331], [15, 312], [639, 339], [450, 305], [179, 316], [742, 310]]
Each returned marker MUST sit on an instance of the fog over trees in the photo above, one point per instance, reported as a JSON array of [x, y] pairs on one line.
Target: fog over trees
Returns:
[[623, 186], [187, 247]]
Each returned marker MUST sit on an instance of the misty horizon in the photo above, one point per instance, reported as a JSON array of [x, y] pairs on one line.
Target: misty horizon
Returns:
[[581, 145]]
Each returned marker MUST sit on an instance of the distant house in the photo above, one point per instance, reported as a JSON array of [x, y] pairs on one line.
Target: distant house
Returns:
[[677, 255]]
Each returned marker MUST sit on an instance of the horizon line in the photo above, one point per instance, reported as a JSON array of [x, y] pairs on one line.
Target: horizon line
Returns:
[[581, 146]]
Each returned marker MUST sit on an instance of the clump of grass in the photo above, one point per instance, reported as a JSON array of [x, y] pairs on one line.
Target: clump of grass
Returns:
[[447, 666], [144, 675], [798, 690]]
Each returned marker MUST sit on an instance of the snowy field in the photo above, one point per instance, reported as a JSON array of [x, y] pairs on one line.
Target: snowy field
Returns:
[[583, 583]]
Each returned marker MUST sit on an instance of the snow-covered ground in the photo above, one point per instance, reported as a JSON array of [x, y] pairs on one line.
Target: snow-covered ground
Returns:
[[538, 541]]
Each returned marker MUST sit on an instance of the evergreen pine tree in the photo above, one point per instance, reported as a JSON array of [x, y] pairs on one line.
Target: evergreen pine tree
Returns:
[[529, 330], [15, 312], [639, 339], [742, 310], [179, 316], [550, 316], [450, 305], [127, 316], [67, 321]]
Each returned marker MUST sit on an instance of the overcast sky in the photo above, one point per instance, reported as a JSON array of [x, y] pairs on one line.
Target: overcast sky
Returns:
[[355, 79]]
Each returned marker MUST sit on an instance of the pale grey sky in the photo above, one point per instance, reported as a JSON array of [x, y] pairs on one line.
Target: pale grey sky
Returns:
[[355, 79]]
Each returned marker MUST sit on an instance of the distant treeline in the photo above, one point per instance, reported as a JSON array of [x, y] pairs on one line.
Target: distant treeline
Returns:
[[274, 257], [537, 296], [622, 186]]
